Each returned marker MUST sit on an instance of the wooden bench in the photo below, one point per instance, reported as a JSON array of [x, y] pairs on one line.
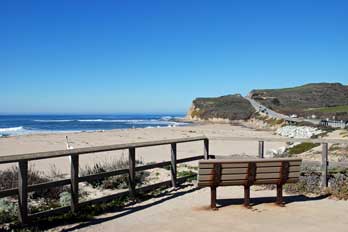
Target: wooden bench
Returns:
[[228, 172]]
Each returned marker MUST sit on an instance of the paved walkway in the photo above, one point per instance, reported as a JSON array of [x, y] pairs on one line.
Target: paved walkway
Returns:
[[187, 210]]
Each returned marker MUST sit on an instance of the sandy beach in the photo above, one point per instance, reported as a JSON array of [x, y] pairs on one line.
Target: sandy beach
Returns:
[[50, 142]]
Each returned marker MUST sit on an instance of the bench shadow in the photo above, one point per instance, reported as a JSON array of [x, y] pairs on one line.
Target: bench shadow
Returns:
[[262, 200], [129, 209]]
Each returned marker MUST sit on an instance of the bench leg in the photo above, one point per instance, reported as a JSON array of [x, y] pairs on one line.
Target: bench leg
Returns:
[[213, 198], [247, 196], [280, 195]]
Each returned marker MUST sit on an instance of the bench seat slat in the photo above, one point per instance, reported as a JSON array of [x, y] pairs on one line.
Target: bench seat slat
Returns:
[[275, 175], [277, 164], [224, 171], [275, 181], [242, 182], [277, 169], [223, 177]]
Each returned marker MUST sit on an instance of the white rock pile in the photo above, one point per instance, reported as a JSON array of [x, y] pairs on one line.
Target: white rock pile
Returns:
[[298, 132]]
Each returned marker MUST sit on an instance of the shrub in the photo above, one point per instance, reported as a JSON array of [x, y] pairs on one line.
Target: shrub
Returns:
[[8, 210], [64, 198], [114, 182], [302, 147], [9, 179]]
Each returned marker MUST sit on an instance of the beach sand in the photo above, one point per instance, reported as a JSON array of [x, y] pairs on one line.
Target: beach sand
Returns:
[[50, 142], [186, 208]]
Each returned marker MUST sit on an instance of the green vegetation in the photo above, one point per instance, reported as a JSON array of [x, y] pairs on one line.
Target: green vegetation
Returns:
[[85, 213], [231, 107], [300, 148], [310, 184], [270, 121], [321, 99], [113, 182], [9, 179], [332, 109], [187, 173], [344, 134]]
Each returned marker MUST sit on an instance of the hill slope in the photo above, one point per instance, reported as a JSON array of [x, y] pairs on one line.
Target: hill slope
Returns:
[[230, 107], [322, 100]]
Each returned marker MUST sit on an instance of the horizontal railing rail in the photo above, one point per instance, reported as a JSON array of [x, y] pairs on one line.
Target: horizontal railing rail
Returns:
[[87, 150], [23, 187], [270, 139]]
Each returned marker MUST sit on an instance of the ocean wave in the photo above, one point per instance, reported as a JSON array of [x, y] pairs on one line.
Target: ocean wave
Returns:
[[55, 120], [90, 120], [11, 129], [167, 118]]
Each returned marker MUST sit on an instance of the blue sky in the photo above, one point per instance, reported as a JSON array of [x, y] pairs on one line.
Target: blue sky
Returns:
[[156, 56]]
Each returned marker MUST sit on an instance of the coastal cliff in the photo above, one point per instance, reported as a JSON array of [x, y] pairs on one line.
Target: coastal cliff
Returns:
[[220, 109]]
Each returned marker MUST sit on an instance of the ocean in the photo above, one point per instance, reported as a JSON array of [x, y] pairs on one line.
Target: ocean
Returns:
[[12, 125]]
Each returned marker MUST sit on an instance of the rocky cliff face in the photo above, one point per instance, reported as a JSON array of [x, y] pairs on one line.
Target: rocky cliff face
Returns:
[[224, 108], [321, 99]]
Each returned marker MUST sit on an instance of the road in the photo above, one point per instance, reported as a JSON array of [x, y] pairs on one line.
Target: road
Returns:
[[259, 107]]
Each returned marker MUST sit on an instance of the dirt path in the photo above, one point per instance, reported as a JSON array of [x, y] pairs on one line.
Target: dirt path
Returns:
[[187, 210]]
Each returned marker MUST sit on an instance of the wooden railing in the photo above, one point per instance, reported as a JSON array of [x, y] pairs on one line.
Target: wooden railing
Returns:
[[75, 179], [324, 155], [22, 160]]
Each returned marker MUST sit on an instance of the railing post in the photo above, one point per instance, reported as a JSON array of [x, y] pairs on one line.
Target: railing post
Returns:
[[173, 164], [74, 172], [261, 149], [206, 149], [131, 161], [23, 191], [324, 165]]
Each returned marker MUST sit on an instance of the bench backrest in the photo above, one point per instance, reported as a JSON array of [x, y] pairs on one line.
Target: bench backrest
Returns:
[[227, 172]]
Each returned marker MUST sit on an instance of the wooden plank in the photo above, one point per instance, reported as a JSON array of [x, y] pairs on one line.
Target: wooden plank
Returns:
[[103, 175], [235, 165], [189, 159], [324, 165], [261, 149], [8, 192], [224, 171], [268, 164], [74, 172], [205, 177], [105, 198], [275, 175], [23, 191], [223, 177], [277, 169], [49, 213], [274, 181], [268, 170], [206, 149], [232, 161], [87, 150], [232, 182], [167, 183], [131, 178], [151, 166], [234, 177], [285, 140], [47, 185], [173, 164]]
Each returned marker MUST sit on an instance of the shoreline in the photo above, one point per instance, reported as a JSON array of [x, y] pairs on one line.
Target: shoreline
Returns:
[[56, 141]]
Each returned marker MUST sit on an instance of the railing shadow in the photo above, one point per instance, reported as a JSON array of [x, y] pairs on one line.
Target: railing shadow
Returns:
[[132, 209], [262, 200]]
